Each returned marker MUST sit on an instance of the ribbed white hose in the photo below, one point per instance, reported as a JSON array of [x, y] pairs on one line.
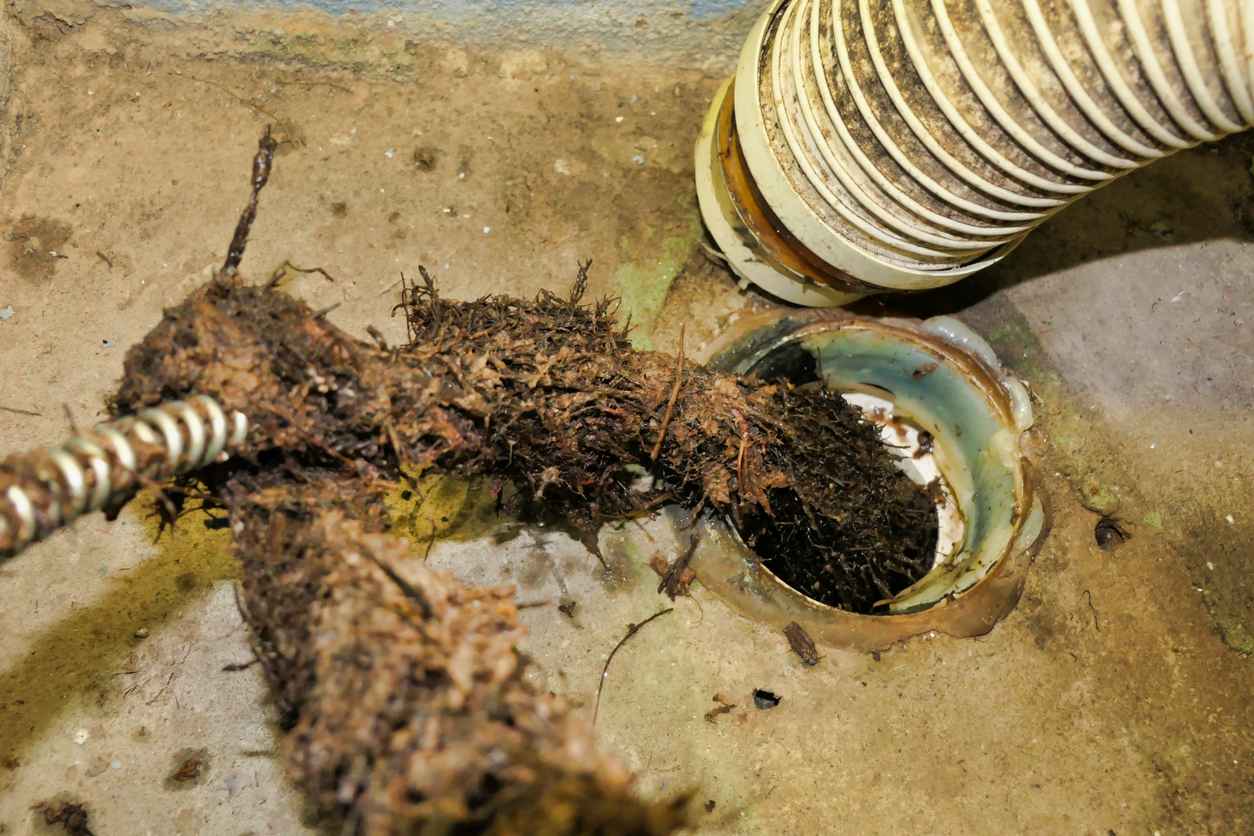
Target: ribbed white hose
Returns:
[[910, 143]]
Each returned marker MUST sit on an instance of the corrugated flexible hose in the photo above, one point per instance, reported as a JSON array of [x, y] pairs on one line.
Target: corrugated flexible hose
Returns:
[[874, 145]]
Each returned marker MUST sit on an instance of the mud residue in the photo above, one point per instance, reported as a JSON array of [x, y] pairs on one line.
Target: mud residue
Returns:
[[35, 246], [65, 815], [79, 656]]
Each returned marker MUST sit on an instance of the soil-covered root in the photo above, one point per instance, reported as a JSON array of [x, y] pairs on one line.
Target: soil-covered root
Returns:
[[548, 395], [404, 689]]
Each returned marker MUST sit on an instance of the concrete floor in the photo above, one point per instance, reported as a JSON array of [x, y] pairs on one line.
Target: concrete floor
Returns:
[[1115, 699]]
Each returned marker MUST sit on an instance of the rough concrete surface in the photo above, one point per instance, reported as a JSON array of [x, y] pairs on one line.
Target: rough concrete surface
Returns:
[[1115, 698]]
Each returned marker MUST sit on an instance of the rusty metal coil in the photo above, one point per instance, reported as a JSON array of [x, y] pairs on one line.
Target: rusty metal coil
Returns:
[[43, 491]]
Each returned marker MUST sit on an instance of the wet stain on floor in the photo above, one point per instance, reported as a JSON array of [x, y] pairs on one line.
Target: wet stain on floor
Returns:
[[36, 246]]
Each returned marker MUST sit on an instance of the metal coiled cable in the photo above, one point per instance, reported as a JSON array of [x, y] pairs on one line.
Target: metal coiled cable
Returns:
[[49, 489]]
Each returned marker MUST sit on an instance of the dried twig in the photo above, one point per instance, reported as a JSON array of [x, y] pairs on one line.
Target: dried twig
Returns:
[[280, 272], [262, 163], [632, 629], [1096, 622]]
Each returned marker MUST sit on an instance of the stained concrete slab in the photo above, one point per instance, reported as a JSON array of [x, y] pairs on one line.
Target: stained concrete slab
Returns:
[[1114, 699]]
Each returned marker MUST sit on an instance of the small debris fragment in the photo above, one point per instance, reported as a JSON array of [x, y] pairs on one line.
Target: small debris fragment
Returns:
[[1231, 520], [638, 159], [677, 577], [567, 607], [191, 766], [717, 711], [927, 443], [107, 343], [141, 633], [425, 158], [710, 805], [80, 736], [924, 370], [71, 815], [390, 153], [6, 313], [1108, 533], [765, 699], [875, 654], [801, 643], [658, 564]]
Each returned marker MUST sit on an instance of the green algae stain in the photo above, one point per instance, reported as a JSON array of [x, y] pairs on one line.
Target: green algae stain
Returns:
[[1154, 520], [644, 285], [437, 506], [77, 659]]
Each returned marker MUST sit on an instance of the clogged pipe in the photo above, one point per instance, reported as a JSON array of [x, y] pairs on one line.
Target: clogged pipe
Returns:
[[866, 146]]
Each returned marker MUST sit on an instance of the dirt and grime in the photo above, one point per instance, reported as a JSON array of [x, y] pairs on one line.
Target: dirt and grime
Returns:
[[70, 817], [1138, 726]]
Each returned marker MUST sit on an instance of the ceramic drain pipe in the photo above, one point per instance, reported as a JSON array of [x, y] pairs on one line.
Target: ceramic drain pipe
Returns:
[[866, 146], [43, 491]]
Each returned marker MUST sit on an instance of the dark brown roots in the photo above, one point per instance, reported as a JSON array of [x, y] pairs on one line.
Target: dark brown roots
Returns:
[[402, 686], [548, 394]]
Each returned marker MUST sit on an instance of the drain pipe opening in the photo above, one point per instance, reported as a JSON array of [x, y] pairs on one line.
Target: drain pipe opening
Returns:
[[954, 419]]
